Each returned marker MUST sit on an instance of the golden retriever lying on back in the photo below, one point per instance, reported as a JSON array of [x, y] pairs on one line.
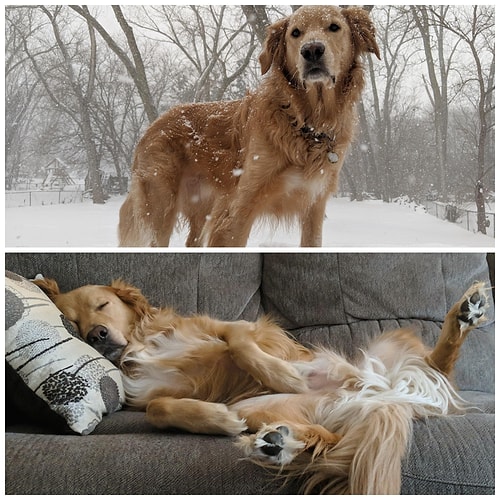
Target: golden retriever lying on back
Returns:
[[276, 152], [344, 425]]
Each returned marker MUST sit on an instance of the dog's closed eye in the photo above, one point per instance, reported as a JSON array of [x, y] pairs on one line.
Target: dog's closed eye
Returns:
[[102, 306]]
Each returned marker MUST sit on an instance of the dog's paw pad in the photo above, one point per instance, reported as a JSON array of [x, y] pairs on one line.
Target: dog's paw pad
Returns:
[[273, 444], [473, 307]]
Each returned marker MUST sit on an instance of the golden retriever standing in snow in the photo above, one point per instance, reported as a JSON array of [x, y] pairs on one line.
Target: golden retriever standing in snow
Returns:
[[278, 152]]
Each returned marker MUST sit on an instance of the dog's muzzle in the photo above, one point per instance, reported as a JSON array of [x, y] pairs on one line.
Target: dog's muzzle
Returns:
[[100, 340], [314, 62], [312, 52], [97, 335]]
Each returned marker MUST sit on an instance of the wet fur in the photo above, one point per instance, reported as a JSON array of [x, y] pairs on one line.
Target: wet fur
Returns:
[[220, 166], [342, 425]]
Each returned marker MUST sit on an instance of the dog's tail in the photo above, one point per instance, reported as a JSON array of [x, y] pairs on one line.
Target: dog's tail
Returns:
[[367, 460]]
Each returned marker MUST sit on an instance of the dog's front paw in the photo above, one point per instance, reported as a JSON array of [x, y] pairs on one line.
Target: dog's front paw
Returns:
[[273, 444], [228, 422], [473, 307]]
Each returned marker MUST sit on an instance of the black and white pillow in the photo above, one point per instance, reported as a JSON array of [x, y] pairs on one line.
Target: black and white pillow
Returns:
[[42, 348]]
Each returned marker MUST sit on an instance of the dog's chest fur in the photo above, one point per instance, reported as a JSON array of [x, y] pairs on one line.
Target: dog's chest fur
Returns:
[[181, 363], [295, 183], [166, 361]]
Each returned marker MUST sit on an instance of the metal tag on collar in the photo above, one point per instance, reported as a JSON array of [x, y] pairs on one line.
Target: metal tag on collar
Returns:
[[333, 157]]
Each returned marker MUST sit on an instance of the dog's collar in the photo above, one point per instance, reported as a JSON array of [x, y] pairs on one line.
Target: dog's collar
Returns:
[[310, 134]]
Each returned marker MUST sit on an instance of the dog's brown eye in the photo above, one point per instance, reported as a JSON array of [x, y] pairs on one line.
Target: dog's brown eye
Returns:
[[296, 33], [334, 27]]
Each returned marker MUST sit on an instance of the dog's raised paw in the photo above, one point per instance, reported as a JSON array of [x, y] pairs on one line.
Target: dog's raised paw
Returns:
[[473, 307], [273, 444]]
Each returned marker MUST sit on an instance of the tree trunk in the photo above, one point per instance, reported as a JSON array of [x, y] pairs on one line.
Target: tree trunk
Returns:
[[257, 18], [437, 94], [83, 97], [481, 210]]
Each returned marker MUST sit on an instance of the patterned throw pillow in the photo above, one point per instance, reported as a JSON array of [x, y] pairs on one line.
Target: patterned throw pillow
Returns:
[[43, 349]]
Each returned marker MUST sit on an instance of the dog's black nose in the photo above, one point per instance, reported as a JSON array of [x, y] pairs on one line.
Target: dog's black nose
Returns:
[[97, 335], [312, 51]]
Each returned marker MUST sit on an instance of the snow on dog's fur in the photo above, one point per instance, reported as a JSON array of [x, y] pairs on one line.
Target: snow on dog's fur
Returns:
[[277, 152], [343, 425]]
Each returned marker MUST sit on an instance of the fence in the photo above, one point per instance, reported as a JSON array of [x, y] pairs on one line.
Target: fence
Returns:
[[465, 218], [37, 198]]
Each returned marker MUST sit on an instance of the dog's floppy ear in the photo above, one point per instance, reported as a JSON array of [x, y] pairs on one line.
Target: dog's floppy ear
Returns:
[[274, 46], [48, 286], [131, 296], [363, 31]]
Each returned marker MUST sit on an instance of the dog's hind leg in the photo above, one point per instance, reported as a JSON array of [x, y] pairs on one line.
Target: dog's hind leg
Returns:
[[462, 318], [279, 375], [232, 218], [361, 455], [232, 229], [197, 219], [281, 428], [194, 238], [143, 221], [280, 443], [161, 216]]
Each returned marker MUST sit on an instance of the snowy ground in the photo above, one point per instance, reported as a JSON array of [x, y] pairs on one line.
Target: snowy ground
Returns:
[[349, 224]]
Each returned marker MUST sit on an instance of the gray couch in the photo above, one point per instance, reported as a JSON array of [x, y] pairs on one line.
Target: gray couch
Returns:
[[340, 300]]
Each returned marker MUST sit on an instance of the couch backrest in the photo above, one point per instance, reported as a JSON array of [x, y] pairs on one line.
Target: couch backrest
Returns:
[[344, 300], [341, 300], [336, 289], [225, 286]]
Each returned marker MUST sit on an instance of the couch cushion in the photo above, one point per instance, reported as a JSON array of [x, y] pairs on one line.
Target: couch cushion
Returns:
[[146, 464], [71, 377], [448, 455], [451, 455]]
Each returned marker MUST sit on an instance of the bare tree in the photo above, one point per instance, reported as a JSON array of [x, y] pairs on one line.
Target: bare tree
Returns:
[[382, 105], [258, 19], [214, 41], [438, 70], [80, 85], [475, 28], [135, 66], [20, 91], [117, 116]]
